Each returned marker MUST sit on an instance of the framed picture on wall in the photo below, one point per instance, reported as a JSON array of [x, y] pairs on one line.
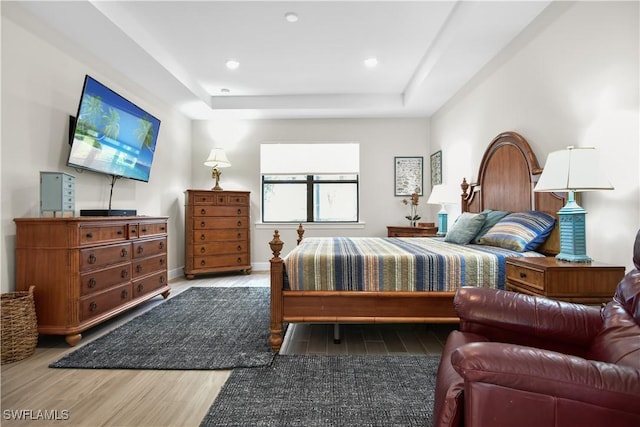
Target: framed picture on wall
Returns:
[[436, 168], [408, 175]]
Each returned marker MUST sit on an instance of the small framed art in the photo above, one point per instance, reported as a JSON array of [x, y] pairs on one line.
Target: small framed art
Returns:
[[408, 175], [436, 168]]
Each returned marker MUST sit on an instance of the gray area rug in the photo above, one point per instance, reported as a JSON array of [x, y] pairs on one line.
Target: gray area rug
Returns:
[[326, 391], [201, 328]]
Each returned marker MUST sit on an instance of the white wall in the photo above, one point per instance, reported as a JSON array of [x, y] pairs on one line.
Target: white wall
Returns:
[[380, 141], [571, 79], [41, 87]]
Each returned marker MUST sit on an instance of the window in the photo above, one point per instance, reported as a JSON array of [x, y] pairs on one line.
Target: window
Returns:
[[310, 182]]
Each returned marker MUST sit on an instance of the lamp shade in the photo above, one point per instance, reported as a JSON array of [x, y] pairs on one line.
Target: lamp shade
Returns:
[[217, 158], [443, 194], [573, 169]]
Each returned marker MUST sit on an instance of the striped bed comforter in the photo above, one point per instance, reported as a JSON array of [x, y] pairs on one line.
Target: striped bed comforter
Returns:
[[394, 264]]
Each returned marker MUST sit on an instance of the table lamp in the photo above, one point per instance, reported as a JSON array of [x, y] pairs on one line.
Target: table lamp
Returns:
[[571, 170], [217, 159], [441, 195]]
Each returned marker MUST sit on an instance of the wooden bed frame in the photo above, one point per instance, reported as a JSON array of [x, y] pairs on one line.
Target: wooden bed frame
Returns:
[[508, 173]]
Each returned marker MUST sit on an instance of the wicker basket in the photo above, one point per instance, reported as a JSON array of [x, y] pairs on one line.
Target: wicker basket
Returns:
[[19, 325]]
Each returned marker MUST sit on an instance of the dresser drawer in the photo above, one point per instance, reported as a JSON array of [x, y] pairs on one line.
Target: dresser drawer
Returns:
[[220, 211], [215, 224], [220, 261], [97, 257], [227, 223], [525, 276], [222, 248], [149, 247], [201, 198], [206, 236], [96, 304], [149, 265], [148, 284], [150, 229], [236, 199], [98, 280], [101, 234]]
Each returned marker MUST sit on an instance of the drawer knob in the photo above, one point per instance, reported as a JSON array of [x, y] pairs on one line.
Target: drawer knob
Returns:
[[239, 223], [239, 211], [162, 228], [92, 283], [93, 306], [161, 279], [119, 233], [138, 268], [124, 294], [162, 261], [124, 274], [140, 288], [92, 259], [203, 249], [239, 248], [203, 211], [202, 237], [140, 249], [144, 230], [89, 235], [523, 275], [202, 263], [161, 245], [124, 253], [202, 224], [239, 260]]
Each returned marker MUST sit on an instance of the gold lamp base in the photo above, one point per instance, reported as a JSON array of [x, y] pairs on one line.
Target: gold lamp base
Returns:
[[215, 174]]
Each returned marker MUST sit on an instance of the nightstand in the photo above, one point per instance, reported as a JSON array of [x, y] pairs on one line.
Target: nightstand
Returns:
[[584, 283], [393, 231]]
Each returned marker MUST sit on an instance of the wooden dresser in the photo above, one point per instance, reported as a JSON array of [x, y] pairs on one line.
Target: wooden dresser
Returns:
[[89, 269], [584, 283], [217, 232]]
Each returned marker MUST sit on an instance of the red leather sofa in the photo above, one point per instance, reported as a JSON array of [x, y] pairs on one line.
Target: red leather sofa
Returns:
[[519, 360]]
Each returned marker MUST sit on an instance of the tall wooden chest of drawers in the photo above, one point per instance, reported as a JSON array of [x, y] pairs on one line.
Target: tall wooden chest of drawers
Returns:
[[89, 269], [216, 232]]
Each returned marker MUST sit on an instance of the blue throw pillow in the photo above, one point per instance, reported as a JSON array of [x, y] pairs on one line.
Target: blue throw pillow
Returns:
[[520, 232], [492, 219], [465, 228]]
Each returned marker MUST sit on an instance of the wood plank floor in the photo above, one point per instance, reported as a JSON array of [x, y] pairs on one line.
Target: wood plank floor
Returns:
[[154, 398]]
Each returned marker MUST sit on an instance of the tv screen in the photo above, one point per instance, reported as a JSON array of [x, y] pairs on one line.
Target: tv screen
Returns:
[[112, 135]]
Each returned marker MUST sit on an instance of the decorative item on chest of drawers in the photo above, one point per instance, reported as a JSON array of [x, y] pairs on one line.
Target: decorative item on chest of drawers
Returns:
[[584, 283], [89, 269], [57, 194], [217, 237]]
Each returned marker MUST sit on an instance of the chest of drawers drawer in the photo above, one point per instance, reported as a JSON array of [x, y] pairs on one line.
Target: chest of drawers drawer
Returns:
[[99, 303], [98, 280], [144, 248], [152, 264], [102, 256]]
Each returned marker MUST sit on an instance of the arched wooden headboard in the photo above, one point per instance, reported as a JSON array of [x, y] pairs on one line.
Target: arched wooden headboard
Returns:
[[507, 176]]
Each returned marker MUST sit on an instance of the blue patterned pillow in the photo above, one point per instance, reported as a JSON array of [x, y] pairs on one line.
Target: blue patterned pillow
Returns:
[[520, 232], [492, 219]]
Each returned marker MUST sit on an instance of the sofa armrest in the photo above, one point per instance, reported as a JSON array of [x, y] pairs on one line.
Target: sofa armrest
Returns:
[[550, 373], [527, 320]]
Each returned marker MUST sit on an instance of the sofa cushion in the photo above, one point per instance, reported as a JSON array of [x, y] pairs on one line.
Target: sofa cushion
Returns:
[[628, 294], [619, 340], [449, 404]]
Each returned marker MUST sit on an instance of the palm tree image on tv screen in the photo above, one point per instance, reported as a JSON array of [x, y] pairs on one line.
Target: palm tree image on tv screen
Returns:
[[112, 135]]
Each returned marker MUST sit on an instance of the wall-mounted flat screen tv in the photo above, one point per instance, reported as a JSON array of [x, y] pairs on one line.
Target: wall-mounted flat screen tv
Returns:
[[112, 135]]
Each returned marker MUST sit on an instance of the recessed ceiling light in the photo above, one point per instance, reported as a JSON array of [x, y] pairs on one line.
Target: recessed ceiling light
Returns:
[[232, 64], [371, 62], [291, 17]]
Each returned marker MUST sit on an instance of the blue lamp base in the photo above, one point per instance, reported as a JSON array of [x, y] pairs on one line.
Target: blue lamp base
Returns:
[[442, 222], [573, 239]]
